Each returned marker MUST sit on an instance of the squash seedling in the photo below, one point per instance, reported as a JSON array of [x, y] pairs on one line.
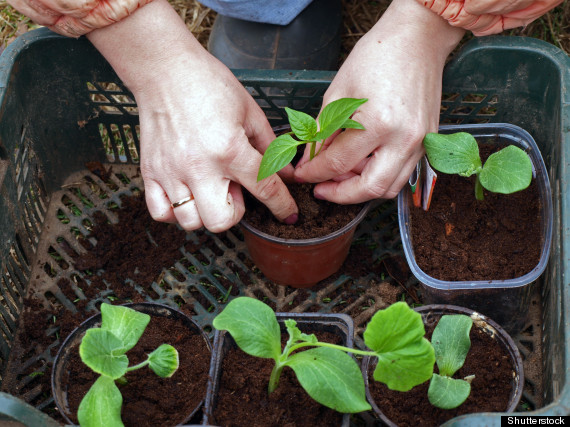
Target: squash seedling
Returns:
[[506, 171], [326, 372], [306, 130], [103, 350], [450, 340]]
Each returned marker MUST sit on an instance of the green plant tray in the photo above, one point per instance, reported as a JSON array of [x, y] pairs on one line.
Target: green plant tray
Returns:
[[61, 106]]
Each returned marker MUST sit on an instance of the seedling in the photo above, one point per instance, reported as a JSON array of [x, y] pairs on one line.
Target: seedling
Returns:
[[450, 340], [103, 350], [333, 117], [326, 372], [506, 171]]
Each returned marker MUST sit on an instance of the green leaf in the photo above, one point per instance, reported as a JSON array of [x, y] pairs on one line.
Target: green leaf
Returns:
[[253, 326], [104, 353], [125, 323], [447, 393], [335, 115], [332, 378], [278, 155], [295, 335], [352, 124], [101, 406], [507, 171], [405, 357], [303, 126], [164, 361], [456, 153], [450, 340]]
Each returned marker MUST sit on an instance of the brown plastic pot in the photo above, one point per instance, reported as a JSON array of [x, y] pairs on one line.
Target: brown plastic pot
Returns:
[[430, 313], [300, 263]]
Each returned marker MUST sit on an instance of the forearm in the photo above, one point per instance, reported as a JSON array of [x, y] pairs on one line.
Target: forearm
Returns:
[[419, 32], [150, 42]]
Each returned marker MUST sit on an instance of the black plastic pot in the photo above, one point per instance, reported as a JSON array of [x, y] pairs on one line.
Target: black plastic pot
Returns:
[[340, 324], [506, 301], [72, 342], [430, 314]]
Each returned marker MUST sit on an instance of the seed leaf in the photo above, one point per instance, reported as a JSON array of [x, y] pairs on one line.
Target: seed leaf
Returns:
[[104, 353], [507, 171], [450, 340], [164, 360], [456, 153], [253, 326], [447, 393], [335, 115], [332, 378], [125, 323], [303, 126], [101, 406], [405, 357], [278, 155]]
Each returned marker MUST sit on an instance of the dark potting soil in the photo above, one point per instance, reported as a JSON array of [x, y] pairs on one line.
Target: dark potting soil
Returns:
[[461, 238], [490, 389], [243, 400], [135, 249], [316, 217], [149, 400]]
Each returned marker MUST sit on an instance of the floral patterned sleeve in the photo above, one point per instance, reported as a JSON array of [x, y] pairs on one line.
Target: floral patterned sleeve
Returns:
[[485, 17], [73, 18]]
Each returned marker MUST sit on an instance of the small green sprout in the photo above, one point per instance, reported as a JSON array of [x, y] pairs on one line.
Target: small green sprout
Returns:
[[394, 335], [103, 350], [333, 117], [450, 340], [506, 171]]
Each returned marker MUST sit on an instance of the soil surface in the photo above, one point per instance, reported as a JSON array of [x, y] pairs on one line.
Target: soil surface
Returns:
[[490, 389], [243, 400], [316, 217], [121, 259], [461, 238], [149, 400]]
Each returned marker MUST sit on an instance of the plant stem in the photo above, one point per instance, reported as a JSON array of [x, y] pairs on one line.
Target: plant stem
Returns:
[[312, 153], [274, 378], [140, 365], [337, 347], [478, 189]]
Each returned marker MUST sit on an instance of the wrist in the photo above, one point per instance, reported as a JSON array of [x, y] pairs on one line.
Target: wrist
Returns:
[[148, 46], [419, 31]]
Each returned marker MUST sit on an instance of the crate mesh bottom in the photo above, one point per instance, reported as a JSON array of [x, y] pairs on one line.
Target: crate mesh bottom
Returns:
[[204, 281]]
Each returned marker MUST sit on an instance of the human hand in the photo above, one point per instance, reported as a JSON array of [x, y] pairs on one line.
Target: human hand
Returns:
[[398, 66], [201, 132]]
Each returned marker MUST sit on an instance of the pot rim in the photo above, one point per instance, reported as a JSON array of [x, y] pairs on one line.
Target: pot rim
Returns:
[[314, 240], [518, 136]]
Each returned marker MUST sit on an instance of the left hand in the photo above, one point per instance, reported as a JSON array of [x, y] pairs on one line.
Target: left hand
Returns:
[[398, 66]]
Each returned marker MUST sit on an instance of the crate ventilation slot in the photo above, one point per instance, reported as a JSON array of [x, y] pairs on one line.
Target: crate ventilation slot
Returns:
[[468, 108]]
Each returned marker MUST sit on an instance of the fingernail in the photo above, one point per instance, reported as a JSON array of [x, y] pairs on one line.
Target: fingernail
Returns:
[[318, 196], [291, 219]]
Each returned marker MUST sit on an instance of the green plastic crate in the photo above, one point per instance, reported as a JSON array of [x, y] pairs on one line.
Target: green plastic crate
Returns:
[[61, 105]]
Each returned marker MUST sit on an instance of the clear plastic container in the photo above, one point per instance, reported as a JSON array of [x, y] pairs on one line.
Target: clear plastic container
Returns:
[[505, 301]]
